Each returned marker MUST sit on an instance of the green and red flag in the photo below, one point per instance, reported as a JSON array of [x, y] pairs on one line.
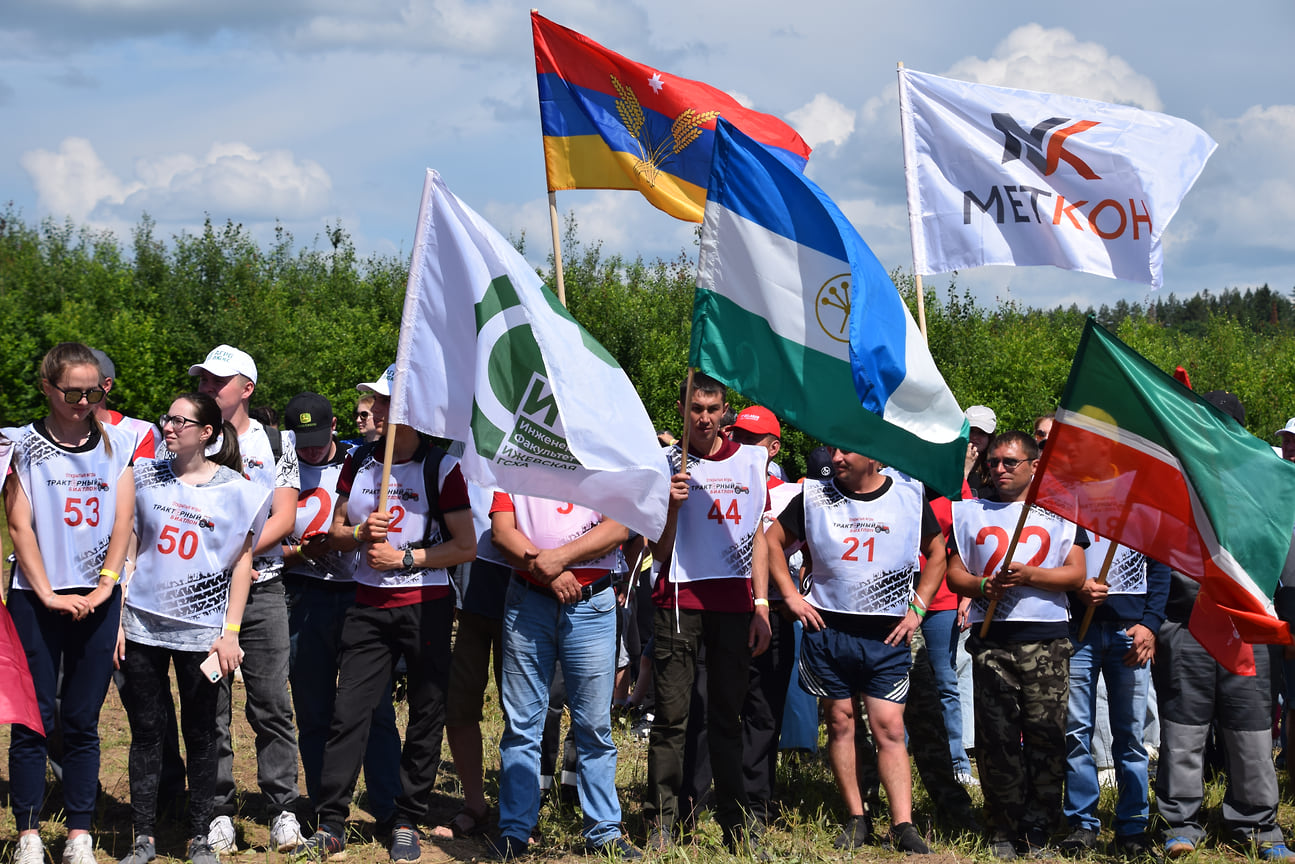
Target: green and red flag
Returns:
[[1136, 457]]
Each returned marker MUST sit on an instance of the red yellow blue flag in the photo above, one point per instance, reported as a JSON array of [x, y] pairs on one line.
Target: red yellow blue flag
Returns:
[[611, 123]]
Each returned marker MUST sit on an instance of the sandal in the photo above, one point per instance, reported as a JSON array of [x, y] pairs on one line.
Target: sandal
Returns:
[[468, 824]]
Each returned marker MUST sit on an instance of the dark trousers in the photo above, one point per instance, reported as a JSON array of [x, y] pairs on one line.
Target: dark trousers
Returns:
[[84, 648], [372, 641], [146, 695], [674, 662], [766, 697]]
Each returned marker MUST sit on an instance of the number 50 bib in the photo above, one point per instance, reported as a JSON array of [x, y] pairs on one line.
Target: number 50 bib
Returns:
[[983, 530]]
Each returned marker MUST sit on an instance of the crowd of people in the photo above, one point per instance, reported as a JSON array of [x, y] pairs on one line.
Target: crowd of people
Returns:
[[213, 543]]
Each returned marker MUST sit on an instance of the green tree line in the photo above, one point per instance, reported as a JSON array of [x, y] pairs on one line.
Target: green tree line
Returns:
[[322, 318]]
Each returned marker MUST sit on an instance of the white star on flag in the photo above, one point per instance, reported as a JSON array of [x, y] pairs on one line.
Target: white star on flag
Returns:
[[655, 82]]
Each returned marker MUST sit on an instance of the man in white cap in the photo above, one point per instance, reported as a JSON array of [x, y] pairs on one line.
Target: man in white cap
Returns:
[[1286, 435], [228, 375]]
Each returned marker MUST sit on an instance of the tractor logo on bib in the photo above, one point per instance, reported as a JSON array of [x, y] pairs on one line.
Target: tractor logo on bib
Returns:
[[515, 419]]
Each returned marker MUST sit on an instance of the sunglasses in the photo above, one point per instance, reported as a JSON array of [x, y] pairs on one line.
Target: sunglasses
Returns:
[[1009, 464], [176, 421], [362, 415], [73, 395]]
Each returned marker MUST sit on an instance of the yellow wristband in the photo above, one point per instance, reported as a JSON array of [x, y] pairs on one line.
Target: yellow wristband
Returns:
[[233, 628], [111, 574], [357, 534], [761, 601]]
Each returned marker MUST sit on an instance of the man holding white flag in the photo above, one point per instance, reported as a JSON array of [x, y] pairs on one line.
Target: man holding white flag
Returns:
[[1002, 176], [499, 364]]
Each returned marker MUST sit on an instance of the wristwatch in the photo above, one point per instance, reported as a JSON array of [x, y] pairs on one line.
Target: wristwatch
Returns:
[[409, 558]]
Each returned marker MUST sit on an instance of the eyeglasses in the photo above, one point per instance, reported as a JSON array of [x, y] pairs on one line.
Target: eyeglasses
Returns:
[[73, 395], [1009, 464], [177, 421], [362, 415], [1040, 435]]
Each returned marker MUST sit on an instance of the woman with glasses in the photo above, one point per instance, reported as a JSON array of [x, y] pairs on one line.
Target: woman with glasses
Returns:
[[197, 518], [69, 509]]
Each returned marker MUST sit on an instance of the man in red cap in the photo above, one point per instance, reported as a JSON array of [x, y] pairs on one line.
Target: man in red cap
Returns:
[[766, 694]]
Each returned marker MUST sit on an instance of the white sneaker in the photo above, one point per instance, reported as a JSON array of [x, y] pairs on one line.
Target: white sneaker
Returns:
[[966, 778], [285, 833], [220, 835], [79, 850], [30, 850], [1106, 778]]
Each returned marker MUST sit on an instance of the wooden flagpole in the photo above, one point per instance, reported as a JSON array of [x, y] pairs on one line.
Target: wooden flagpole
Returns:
[[1007, 559], [1101, 580], [912, 238], [557, 249], [687, 424]]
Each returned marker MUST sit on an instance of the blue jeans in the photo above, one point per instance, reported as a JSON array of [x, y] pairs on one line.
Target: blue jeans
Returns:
[[940, 630], [315, 616], [1102, 652], [539, 631]]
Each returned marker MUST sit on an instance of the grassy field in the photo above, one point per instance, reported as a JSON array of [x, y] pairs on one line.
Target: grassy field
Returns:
[[810, 815], [810, 819]]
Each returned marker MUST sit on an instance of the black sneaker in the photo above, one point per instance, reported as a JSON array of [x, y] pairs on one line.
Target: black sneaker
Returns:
[[505, 848], [856, 832], [617, 847], [1003, 850], [323, 845], [659, 840], [907, 839], [1134, 846], [405, 845], [1079, 842]]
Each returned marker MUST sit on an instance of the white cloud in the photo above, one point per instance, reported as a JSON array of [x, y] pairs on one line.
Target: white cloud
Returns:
[[1033, 57], [1246, 194], [231, 180], [823, 120], [1050, 60]]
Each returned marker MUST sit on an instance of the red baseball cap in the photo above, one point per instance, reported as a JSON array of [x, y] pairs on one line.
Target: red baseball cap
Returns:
[[758, 420]]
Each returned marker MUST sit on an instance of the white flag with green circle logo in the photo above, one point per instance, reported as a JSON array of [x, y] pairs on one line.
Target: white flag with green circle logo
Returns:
[[488, 356]]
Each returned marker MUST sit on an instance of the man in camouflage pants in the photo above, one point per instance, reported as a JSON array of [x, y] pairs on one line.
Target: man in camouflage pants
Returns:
[[1021, 666]]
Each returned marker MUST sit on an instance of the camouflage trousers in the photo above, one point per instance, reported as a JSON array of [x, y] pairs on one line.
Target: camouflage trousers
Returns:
[[928, 742], [1022, 690]]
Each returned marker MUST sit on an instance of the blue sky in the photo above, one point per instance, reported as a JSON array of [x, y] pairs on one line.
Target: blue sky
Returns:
[[314, 112]]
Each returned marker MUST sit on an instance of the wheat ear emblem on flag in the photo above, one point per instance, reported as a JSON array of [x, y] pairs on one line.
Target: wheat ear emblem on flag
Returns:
[[685, 129]]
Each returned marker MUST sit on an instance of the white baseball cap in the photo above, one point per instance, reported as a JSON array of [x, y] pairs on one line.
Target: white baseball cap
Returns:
[[982, 418], [382, 386], [226, 360], [1288, 429]]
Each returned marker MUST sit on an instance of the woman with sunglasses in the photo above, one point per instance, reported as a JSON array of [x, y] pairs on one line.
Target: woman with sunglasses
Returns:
[[69, 509], [197, 518]]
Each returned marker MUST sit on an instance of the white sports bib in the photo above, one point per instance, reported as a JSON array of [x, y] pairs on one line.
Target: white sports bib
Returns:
[[260, 467], [407, 502], [189, 540], [315, 501], [73, 501], [550, 524], [716, 526], [865, 552], [983, 530], [1128, 573]]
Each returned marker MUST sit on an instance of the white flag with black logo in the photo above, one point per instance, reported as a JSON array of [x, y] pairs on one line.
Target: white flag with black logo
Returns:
[[488, 356], [1002, 176]]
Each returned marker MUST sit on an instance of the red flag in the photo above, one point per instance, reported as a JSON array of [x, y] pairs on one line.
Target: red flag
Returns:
[[1213, 628], [17, 693]]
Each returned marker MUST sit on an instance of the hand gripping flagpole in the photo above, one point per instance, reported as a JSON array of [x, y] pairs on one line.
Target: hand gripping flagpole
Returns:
[[1101, 580], [906, 135]]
